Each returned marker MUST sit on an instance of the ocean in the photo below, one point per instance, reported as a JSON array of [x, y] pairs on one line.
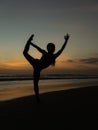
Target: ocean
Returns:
[[12, 86]]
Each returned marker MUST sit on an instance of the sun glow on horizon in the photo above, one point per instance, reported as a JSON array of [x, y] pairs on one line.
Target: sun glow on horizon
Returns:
[[23, 67]]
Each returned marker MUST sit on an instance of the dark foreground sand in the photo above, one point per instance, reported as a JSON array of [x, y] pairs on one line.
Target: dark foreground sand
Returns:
[[66, 109]]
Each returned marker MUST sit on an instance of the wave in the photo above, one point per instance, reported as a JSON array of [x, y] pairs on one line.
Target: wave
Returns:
[[43, 77]]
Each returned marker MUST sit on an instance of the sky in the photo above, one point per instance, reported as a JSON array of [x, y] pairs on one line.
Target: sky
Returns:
[[49, 21]]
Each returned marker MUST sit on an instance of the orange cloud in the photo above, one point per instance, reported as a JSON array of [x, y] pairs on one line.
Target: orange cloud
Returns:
[[14, 65]]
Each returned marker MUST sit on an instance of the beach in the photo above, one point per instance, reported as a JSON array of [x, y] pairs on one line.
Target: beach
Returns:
[[64, 109]]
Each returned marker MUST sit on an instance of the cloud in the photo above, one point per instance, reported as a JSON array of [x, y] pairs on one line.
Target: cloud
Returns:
[[91, 60], [70, 61]]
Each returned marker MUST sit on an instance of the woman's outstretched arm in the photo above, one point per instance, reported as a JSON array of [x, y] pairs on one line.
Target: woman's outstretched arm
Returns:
[[62, 48], [37, 47]]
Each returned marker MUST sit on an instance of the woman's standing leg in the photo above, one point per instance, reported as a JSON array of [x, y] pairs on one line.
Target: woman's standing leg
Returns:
[[36, 87]]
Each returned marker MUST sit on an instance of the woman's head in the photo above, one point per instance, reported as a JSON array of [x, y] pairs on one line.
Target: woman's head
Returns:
[[51, 47]]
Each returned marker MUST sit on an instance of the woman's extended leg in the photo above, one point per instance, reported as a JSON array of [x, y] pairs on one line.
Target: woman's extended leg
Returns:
[[26, 54], [27, 46], [35, 63], [36, 80]]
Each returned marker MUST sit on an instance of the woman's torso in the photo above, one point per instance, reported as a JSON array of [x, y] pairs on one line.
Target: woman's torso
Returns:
[[46, 60]]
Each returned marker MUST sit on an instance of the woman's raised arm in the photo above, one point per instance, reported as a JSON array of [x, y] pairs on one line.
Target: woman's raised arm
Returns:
[[62, 48]]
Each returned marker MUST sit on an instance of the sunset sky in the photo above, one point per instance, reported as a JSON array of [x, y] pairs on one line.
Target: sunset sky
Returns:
[[49, 21]]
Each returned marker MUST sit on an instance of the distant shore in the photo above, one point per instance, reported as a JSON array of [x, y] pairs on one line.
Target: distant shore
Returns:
[[65, 109]]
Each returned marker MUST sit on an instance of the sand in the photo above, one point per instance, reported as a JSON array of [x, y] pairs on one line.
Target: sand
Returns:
[[65, 109]]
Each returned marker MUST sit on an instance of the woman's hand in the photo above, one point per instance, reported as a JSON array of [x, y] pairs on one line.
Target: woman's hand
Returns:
[[66, 37]]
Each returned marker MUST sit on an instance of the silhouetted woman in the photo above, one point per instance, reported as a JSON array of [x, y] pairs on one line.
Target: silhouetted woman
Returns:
[[48, 58]]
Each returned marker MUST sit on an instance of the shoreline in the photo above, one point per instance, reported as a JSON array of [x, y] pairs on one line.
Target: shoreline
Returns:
[[17, 89], [74, 108]]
